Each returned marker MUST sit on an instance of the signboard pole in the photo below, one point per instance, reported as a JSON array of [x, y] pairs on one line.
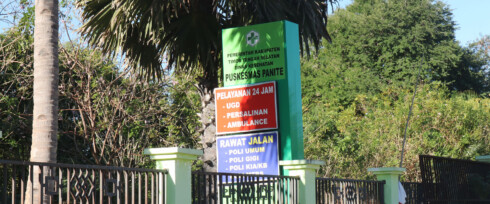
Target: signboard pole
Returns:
[[289, 92]]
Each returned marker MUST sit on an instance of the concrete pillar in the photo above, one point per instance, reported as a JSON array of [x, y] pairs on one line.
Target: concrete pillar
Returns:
[[178, 162], [390, 175], [484, 158], [306, 170]]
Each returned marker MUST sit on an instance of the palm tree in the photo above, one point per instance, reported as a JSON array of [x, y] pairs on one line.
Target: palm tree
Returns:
[[45, 113], [186, 35]]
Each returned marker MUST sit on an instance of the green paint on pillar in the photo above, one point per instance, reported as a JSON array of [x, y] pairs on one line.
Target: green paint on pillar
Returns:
[[289, 93], [178, 162], [270, 52], [306, 170], [390, 175]]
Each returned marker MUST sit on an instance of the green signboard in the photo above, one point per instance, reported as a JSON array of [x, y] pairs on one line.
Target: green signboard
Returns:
[[270, 52], [254, 54]]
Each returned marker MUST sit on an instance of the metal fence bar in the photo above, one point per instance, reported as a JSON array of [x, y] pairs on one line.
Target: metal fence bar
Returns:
[[213, 188], [132, 187], [31, 178], [453, 180], [22, 185], [153, 196], [94, 183], [14, 193], [210, 183], [140, 178], [60, 186], [162, 179], [4, 188], [295, 190], [41, 181], [330, 190], [414, 191], [101, 186], [65, 183]]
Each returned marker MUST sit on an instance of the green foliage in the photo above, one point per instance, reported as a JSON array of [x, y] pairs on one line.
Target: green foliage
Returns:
[[183, 108], [369, 132], [475, 66], [106, 116], [390, 38], [111, 116], [357, 90], [15, 94]]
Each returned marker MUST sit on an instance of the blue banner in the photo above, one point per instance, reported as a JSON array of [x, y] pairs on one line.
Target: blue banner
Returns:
[[249, 153]]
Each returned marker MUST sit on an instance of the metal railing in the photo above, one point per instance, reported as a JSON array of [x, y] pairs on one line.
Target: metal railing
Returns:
[[343, 191], [68, 183], [447, 180], [208, 188], [414, 191]]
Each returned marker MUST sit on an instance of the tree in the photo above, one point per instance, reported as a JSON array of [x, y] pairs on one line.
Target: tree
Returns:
[[45, 92], [390, 38], [356, 92], [389, 42], [15, 93], [476, 61], [109, 116], [186, 35], [105, 114], [472, 72]]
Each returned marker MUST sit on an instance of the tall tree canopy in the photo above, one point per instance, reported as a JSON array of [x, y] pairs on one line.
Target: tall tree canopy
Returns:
[[186, 35], [356, 93]]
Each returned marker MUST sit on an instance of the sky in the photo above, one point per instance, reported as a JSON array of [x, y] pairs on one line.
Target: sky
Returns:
[[472, 18]]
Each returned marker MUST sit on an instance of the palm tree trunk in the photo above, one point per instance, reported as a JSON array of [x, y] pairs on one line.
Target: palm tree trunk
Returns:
[[208, 131], [45, 113]]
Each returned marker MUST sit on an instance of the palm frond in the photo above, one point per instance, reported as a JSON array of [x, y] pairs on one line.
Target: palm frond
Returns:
[[187, 33]]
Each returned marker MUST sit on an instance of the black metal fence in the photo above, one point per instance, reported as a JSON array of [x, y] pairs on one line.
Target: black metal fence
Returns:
[[68, 183], [414, 191], [446, 180], [347, 191], [208, 188]]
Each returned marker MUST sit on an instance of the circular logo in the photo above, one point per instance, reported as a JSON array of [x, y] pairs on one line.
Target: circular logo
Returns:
[[253, 38]]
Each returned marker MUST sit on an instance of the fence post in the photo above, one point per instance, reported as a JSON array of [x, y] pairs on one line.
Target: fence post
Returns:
[[178, 162], [390, 175], [484, 158], [306, 170]]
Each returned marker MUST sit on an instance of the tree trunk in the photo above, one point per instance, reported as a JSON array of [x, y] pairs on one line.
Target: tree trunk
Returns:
[[45, 113], [208, 131]]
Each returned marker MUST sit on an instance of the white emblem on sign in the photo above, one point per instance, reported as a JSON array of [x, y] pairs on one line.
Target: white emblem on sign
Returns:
[[253, 38]]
